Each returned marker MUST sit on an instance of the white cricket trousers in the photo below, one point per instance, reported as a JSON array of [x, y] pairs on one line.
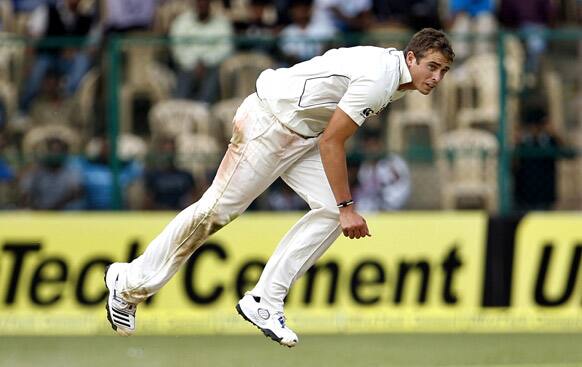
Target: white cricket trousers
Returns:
[[260, 151]]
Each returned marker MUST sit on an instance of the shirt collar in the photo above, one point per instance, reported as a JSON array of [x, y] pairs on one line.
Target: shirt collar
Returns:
[[405, 76]]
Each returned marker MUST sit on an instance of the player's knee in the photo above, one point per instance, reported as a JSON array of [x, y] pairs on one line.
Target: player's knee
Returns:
[[215, 223]]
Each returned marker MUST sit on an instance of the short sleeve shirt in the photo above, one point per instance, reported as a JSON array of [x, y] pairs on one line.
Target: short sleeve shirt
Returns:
[[169, 187], [361, 81], [47, 187]]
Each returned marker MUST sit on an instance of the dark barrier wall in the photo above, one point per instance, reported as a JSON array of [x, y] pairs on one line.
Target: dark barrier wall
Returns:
[[499, 261]]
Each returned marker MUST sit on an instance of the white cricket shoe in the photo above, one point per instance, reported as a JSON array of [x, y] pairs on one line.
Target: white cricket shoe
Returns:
[[271, 323], [121, 314]]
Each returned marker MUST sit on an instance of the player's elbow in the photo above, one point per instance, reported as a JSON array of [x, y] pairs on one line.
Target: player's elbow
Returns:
[[330, 143]]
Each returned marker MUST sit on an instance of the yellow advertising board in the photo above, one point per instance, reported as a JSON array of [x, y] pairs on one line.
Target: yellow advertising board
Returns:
[[418, 271], [547, 288]]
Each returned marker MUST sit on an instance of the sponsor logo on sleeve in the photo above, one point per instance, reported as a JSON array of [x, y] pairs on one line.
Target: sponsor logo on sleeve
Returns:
[[367, 112]]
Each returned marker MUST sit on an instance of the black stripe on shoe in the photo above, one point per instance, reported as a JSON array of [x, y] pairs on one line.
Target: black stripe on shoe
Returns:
[[123, 323], [120, 315]]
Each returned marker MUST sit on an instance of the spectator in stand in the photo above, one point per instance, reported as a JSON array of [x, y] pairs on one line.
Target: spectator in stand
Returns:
[[383, 180], [129, 15], [167, 186], [54, 184], [344, 16], [384, 184], [26, 6], [6, 174], [19, 9], [256, 32], [283, 10], [411, 14], [532, 18], [198, 61], [7, 178], [303, 39], [61, 18], [538, 148], [97, 176], [472, 17]]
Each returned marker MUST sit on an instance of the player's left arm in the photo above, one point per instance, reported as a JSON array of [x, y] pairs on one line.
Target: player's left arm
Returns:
[[333, 155]]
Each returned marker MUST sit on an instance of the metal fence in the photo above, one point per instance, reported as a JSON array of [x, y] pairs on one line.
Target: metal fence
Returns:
[[529, 98]]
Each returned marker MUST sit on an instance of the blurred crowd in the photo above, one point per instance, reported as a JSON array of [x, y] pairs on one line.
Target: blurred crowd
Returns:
[[177, 97]]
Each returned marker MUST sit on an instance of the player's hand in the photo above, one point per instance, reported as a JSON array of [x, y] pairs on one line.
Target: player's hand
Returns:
[[353, 225]]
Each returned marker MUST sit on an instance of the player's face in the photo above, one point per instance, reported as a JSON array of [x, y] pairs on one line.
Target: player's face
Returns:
[[428, 71]]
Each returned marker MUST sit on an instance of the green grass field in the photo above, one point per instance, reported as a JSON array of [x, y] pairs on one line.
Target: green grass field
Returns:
[[418, 350]]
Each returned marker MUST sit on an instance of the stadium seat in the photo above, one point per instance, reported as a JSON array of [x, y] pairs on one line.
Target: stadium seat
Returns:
[[554, 88], [467, 163], [85, 99], [129, 147], [473, 35], [8, 98], [174, 117], [569, 173], [20, 23], [197, 153], [132, 147], [7, 15], [166, 12], [419, 111], [223, 113], [476, 91], [143, 76], [11, 60], [31, 145], [238, 74]]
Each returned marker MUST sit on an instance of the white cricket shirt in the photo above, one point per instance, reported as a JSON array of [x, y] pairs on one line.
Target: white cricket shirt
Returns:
[[360, 80]]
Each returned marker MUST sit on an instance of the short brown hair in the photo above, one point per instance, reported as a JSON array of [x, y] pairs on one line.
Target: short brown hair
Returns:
[[430, 39]]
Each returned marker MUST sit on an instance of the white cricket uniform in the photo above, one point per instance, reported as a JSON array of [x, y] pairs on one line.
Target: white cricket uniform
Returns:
[[275, 135]]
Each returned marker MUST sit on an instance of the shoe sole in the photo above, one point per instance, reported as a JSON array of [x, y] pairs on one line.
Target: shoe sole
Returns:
[[107, 303], [267, 332]]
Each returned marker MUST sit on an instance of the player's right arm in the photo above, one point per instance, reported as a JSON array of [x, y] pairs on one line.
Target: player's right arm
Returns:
[[333, 155]]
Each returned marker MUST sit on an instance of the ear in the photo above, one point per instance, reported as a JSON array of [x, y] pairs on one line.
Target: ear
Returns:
[[410, 58]]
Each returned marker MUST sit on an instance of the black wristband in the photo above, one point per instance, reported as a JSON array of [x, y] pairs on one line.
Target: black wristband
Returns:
[[343, 204]]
